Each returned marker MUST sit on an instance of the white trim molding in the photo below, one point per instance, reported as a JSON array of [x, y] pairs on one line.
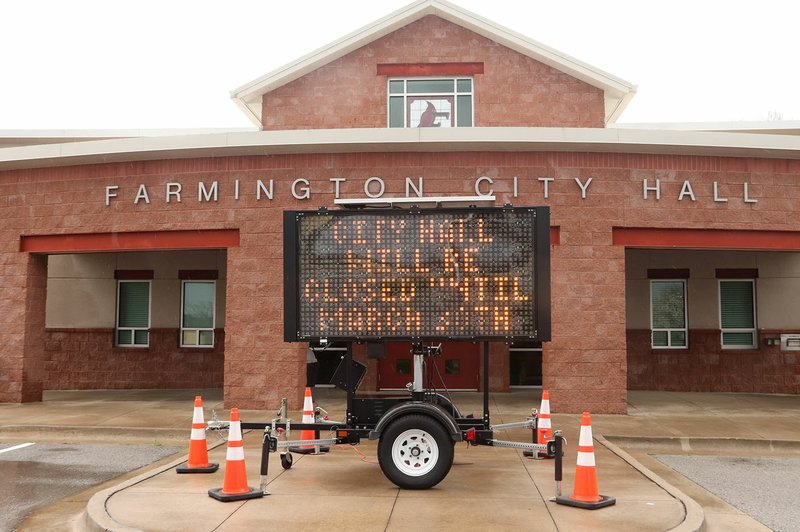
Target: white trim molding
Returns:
[[387, 140]]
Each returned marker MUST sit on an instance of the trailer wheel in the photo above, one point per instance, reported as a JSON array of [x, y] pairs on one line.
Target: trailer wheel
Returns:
[[286, 460], [415, 452]]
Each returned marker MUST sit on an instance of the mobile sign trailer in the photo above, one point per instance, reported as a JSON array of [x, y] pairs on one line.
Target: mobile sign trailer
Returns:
[[418, 275]]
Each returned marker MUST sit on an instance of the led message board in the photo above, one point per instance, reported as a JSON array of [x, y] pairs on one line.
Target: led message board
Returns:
[[478, 273]]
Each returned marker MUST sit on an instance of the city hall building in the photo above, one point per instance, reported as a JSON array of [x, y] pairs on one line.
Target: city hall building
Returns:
[[157, 261]]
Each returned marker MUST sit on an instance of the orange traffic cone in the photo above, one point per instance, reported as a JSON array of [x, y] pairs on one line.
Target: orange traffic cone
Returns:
[[544, 428], [198, 452], [308, 417], [234, 486], [585, 493]]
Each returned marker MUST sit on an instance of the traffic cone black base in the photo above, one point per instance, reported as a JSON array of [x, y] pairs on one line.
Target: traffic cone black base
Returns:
[[211, 468], [253, 493], [602, 503]]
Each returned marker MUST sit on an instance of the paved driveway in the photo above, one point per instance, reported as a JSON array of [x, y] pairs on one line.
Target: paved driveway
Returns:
[[764, 488], [33, 475]]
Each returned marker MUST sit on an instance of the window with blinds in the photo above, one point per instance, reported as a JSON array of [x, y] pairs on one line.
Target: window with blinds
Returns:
[[737, 314], [668, 314], [197, 314], [133, 314]]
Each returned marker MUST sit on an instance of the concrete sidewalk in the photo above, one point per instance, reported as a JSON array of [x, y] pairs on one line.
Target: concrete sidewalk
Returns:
[[486, 488]]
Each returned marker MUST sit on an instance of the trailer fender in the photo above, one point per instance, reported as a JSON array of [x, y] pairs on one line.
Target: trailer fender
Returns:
[[416, 407]]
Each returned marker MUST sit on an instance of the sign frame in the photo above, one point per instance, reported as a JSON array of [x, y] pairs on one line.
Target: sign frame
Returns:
[[541, 264]]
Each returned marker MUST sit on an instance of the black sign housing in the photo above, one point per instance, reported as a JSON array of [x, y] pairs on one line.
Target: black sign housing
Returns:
[[419, 275]]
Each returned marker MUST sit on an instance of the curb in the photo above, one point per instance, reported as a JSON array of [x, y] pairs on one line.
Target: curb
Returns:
[[695, 517], [96, 517], [688, 444]]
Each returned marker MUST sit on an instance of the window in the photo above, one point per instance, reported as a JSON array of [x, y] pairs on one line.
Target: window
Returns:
[[430, 102], [133, 313], [737, 315], [197, 313], [668, 314]]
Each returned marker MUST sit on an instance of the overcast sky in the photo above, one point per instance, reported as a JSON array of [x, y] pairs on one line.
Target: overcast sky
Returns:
[[116, 64]]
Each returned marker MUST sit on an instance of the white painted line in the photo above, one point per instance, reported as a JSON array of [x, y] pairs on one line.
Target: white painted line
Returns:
[[20, 446]]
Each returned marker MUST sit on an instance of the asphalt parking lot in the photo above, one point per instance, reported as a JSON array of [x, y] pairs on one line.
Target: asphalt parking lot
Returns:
[[34, 475], [765, 488]]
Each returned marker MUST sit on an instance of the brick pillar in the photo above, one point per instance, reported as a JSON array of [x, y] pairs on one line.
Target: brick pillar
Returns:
[[260, 369], [12, 315], [585, 365], [23, 315]]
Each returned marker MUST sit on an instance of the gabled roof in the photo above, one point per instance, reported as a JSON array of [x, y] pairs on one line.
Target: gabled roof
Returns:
[[618, 92]]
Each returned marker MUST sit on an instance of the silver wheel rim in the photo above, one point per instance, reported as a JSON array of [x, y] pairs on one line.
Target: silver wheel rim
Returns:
[[415, 452]]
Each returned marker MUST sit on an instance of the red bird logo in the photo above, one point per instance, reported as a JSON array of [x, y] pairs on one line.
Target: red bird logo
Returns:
[[430, 115]]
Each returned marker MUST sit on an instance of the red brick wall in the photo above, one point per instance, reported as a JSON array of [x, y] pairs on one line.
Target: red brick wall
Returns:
[[35, 297], [514, 90], [12, 312], [86, 359], [22, 304], [498, 367], [585, 366], [706, 367]]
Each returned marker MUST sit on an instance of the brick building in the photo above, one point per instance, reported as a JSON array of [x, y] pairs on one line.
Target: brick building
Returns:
[[156, 261]]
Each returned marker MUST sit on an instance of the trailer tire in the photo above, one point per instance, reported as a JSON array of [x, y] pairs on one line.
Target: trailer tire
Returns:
[[415, 452]]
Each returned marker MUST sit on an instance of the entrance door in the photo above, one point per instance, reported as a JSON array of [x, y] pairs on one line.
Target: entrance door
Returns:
[[457, 366], [525, 364]]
